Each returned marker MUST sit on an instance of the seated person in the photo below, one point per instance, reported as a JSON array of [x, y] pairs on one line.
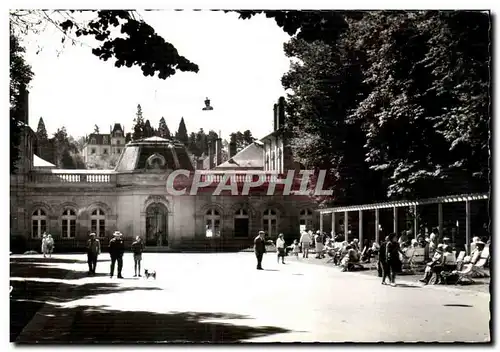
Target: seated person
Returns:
[[450, 261], [435, 265], [351, 257], [471, 260], [355, 244]]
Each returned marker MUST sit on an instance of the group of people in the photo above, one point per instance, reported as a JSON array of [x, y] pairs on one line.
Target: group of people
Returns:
[[116, 251], [47, 245]]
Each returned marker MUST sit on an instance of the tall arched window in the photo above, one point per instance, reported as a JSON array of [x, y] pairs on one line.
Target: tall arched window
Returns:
[[306, 219], [270, 222], [241, 223], [212, 223], [68, 224], [38, 223], [98, 222]]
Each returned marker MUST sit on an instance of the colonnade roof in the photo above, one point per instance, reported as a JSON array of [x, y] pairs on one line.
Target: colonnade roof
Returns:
[[407, 203]]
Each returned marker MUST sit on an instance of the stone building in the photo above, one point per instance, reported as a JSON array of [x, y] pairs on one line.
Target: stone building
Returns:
[[134, 197], [104, 145]]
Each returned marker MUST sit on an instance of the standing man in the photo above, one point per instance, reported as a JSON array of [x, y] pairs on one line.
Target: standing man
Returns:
[[259, 246], [93, 250], [137, 249], [305, 243], [116, 250], [318, 242]]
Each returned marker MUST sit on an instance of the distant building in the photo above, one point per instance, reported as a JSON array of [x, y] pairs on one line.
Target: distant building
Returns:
[[99, 146]]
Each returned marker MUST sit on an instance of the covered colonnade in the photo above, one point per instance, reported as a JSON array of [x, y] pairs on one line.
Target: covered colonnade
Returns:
[[467, 198]]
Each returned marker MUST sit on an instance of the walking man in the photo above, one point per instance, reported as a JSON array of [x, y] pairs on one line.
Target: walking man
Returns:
[[137, 249], [116, 250], [259, 248], [93, 250]]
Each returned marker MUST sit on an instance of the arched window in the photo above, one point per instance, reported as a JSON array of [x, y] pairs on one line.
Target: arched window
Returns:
[[241, 223], [270, 222], [98, 222], [38, 223], [306, 219], [68, 224], [212, 223]]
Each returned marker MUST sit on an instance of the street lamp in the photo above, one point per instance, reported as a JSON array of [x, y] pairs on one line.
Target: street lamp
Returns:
[[207, 107]]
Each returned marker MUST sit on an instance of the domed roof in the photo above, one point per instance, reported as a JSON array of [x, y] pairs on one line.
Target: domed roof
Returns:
[[154, 154]]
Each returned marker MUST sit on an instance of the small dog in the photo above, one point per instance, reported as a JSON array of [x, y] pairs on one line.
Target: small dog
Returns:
[[150, 273]]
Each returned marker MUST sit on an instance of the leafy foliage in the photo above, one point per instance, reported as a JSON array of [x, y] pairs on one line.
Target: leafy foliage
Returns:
[[140, 46], [182, 134], [163, 130], [241, 139], [397, 106], [20, 76], [138, 124]]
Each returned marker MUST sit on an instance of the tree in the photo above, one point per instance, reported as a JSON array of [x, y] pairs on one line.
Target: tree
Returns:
[[128, 137], [163, 130], [181, 133], [138, 45], [96, 129], [41, 131], [148, 130], [193, 146], [138, 124], [382, 109], [242, 140], [427, 113], [248, 138], [20, 76]]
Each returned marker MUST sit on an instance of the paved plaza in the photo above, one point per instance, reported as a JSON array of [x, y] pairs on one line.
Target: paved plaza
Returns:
[[222, 298]]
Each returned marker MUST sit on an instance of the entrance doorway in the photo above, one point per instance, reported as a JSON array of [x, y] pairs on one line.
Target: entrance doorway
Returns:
[[156, 225]]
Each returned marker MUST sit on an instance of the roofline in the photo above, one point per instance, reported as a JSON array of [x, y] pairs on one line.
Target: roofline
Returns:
[[407, 203]]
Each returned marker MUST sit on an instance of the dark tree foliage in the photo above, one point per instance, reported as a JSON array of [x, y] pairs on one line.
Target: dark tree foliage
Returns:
[[397, 106], [193, 146], [41, 131], [163, 130], [148, 130], [182, 134], [242, 139], [138, 129], [141, 46], [20, 76]]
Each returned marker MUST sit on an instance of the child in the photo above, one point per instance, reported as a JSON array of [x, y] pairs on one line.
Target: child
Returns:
[[137, 249], [296, 248]]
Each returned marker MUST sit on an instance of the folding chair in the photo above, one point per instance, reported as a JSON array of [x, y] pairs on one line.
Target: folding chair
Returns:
[[475, 270]]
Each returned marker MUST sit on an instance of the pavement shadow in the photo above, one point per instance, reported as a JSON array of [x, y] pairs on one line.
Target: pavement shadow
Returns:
[[99, 325], [408, 286], [35, 289], [29, 296]]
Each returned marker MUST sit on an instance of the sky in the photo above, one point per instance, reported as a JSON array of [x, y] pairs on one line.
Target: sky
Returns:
[[241, 63]]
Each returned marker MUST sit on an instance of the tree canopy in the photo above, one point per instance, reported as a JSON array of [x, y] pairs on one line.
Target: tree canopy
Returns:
[[397, 107]]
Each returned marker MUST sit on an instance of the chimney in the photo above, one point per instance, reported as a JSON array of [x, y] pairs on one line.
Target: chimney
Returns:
[[24, 100], [232, 149], [275, 116], [210, 155], [280, 116], [218, 151]]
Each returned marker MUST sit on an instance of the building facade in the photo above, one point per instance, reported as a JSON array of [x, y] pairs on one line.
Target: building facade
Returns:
[[134, 199], [105, 146]]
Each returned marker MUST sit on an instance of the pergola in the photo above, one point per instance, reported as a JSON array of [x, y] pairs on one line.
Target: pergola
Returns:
[[467, 198]]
